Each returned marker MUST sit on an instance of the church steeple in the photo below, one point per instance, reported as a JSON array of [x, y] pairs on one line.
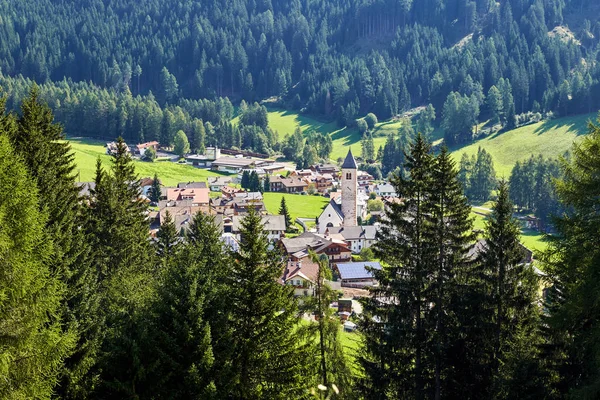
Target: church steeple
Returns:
[[349, 162], [349, 190]]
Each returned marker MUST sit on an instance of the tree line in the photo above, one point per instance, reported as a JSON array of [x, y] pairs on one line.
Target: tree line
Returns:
[[92, 306], [318, 57]]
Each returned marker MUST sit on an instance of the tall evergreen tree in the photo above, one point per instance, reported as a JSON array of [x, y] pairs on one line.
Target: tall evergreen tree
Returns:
[[167, 240], [268, 355], [33, 343], [394, 327], [283, 210], [155, 191]]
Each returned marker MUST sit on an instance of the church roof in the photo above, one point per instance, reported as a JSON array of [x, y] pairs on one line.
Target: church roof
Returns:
[[349, 162]]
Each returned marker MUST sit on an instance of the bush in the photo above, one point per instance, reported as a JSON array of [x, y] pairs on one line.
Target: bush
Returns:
[[362, 126], [149, 154], [371, 120]]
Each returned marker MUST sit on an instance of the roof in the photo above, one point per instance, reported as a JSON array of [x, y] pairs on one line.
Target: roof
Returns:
[[305, 269], [271, 223], [147, 144], [357, 270], [336, 208], [196, 195], [233, 162], [192, 185], [354, 232], [85, 188], [349, 162]]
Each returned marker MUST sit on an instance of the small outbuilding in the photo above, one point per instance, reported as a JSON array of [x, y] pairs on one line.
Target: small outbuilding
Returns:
[[357, 274]]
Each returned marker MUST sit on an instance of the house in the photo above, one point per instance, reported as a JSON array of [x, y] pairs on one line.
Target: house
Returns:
[[357, 237], [273, 168], [145, 185], [323, 183], [288, 185], [481, 245], [364, 178], [385, 190], [274, 226], [301, 274], [217, 183], [204, 160], [298, 248], [85, 188], [357, 274], [111, 148], [302, 173], [229, 192], [192, 185], [234, 165], [181, 212], [196, 196], [331, 169], [140, 149]]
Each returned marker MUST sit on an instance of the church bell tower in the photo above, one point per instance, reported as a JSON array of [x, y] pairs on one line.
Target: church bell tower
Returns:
[[349, 190]]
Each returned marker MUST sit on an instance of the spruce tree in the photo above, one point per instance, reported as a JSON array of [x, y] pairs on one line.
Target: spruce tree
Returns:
[[283, 210], [452, 235], [39, 141], [510, 289], [33, 343], [393, 358], [155, 191], [268, 357], [167, 240], [245, 183], [572, 263]]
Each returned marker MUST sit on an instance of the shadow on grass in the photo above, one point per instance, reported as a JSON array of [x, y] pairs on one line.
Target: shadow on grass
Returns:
[[576, 124]]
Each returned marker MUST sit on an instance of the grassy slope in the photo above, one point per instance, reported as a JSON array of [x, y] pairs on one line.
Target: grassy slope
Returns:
[[298, 205], [550, 138], [87, 151]]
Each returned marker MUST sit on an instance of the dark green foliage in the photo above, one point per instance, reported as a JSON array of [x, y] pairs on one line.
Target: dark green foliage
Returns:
[[33, 342], [181, 144], [283, 210], [167, 240], [254, 183], [572, 263], [268, 357], [245, 183], [266, 184], [155, 192], [511, 312], [477, 175]]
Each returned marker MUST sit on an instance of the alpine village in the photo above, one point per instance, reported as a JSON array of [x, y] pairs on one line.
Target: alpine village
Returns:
[[300, 199]]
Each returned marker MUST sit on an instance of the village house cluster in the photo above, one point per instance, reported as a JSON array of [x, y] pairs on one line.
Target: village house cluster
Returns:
[[340, 232]]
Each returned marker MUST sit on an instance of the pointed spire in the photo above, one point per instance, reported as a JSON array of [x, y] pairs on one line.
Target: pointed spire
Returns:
[[349, 162]]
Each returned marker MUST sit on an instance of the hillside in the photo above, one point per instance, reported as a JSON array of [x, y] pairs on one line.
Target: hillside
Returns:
[[549, 138]]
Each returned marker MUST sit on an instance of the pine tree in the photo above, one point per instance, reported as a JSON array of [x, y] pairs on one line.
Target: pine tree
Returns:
[[510, 289], [283, 210], [167, 240], [39, 141], [572, 263], [266, 185], [33, 344], [155, 191], [452, 235], [395, 332], [245, 183], [268, 355]]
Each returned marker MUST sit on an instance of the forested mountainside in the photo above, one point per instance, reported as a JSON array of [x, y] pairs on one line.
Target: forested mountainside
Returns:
[[340, 59]]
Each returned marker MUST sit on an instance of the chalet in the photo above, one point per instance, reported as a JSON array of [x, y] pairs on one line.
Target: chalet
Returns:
[[288, 185], [357, 237], [140, 149], [301, 274], [357, 274], [146, 185], [230, 227], [229, 192], [298, 248], [331, 169], [385, 190], [204, 160], [181, 212], [196, 196], [364, 178], [111, 148], [323, 183], [302, 173], [217, 183]]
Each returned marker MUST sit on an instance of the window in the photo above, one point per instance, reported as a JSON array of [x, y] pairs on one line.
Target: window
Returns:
[[348, 175]]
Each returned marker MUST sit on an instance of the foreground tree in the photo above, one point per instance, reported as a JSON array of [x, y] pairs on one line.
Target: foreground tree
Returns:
[[33, 344], [283, 210], [572, 262], [268, 357]]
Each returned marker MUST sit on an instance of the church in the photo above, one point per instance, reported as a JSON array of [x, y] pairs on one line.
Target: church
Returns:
[[336, 215]]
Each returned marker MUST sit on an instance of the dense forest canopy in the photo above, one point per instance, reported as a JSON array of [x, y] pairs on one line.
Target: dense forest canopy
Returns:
[[339, 59]]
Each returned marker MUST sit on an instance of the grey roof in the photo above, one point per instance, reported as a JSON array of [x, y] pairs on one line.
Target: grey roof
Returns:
[[349, 162], [192, 185], [357, 270], [355, 232], [85, 188], [271, 223], [336, 208], [301, 242]]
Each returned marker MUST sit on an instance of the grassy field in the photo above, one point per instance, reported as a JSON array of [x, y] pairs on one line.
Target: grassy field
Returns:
[[550, 138], [87, 151], [350, 343], [298, 205]]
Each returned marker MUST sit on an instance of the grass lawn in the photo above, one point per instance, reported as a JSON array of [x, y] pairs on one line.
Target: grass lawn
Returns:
[[550, 138], [87, 151], [298, 205], [351, 344]]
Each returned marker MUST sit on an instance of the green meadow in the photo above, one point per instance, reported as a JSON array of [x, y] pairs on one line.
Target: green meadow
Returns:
[[87, 152], [299, 206]]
